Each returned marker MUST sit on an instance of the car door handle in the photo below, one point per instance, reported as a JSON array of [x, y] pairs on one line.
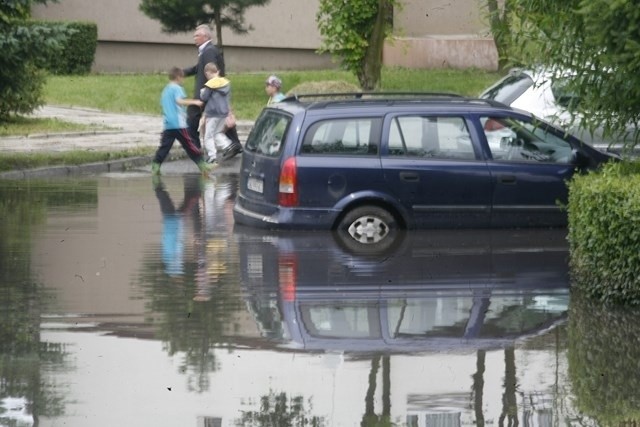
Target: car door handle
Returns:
[[507, 179], [409, 176]]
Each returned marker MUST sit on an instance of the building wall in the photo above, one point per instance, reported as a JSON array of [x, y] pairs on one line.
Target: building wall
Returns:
[[284, 36], [432, 18], [151, 57], [441, 52], [437, 34]]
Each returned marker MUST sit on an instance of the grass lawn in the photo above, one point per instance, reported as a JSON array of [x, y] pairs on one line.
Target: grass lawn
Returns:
[[140, 93]]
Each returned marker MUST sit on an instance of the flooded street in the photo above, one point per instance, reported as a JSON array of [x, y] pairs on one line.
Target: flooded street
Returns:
[[126, 301]]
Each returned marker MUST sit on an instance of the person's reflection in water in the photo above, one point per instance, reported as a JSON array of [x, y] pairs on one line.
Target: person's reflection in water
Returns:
[[196, 254], [173, 220], [217, 213]]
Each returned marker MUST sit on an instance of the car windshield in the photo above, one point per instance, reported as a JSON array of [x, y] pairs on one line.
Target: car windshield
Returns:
[[509, 89], [267, 135]]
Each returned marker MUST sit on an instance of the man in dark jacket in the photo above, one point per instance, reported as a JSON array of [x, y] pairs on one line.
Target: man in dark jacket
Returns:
[[207, 52]]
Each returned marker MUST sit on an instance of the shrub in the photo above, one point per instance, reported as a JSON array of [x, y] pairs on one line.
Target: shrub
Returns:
[[24, 93], [24, 46], [78, 49], [604, 233]]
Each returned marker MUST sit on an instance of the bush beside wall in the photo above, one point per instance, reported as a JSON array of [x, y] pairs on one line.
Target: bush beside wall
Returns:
[[79, 50], [604, 233]]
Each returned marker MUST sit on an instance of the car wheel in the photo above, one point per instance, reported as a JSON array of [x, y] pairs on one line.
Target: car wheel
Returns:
[[369, 225]]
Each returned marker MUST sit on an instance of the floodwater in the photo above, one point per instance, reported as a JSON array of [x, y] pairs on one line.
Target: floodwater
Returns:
[[129, 302]]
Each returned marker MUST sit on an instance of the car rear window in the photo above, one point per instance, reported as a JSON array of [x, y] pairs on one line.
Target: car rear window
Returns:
[[509, 89], [354, 136], [267, 135]]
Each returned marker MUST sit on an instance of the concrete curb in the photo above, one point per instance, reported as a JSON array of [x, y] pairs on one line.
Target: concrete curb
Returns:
[[120, 165], [76, 170]]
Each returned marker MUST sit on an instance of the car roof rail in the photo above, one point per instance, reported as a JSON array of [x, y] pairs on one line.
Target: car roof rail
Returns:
[[368, 95], [489, 102], [323, 100]]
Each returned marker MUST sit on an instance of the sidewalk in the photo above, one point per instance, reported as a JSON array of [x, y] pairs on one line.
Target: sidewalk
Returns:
[[121, 132]]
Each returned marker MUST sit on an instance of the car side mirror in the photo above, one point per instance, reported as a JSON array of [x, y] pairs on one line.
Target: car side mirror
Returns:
[[579, 159]]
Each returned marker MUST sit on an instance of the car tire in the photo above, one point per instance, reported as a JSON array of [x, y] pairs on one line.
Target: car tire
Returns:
[[369, 226]]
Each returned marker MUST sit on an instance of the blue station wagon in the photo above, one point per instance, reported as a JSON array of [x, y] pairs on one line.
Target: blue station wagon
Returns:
[[372, 164]]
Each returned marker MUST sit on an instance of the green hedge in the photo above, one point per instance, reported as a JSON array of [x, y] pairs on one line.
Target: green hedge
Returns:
[[78, 51], [604, 233]]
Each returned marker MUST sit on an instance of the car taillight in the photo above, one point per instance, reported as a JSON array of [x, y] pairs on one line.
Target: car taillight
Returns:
[[288, 188]]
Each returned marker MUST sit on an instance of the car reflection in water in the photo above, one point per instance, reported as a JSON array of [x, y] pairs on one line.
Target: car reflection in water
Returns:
[[431, 290]]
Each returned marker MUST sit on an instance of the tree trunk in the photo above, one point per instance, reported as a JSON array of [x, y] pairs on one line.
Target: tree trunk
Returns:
[[369, 76], [218, 23]]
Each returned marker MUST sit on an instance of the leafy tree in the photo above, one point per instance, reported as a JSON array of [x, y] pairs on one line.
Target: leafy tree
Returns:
[[178, 16], [599, 40], [354, 32], [25, 48]]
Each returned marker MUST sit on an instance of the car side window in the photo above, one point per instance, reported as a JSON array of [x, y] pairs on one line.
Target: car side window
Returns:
[[430, 137], [355, 136], [520, 141]]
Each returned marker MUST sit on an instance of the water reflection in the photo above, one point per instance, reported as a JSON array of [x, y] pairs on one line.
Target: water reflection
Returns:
[[196, 254], [24, 394], [205, 209], [604, 344], [124, 298], [434, 290]]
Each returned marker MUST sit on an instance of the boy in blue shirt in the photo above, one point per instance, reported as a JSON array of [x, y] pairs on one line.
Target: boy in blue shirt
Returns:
[[173, 101]]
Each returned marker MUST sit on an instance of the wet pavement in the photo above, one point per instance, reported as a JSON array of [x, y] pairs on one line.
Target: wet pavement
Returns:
[[127, 300]]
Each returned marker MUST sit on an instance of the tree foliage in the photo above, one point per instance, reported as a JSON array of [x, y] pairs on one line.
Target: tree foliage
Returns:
[[178, 16], [354, 32], [25, 49], [599, 40]]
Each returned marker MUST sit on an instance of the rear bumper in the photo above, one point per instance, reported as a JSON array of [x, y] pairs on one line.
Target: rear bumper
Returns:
[[285, 218]]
